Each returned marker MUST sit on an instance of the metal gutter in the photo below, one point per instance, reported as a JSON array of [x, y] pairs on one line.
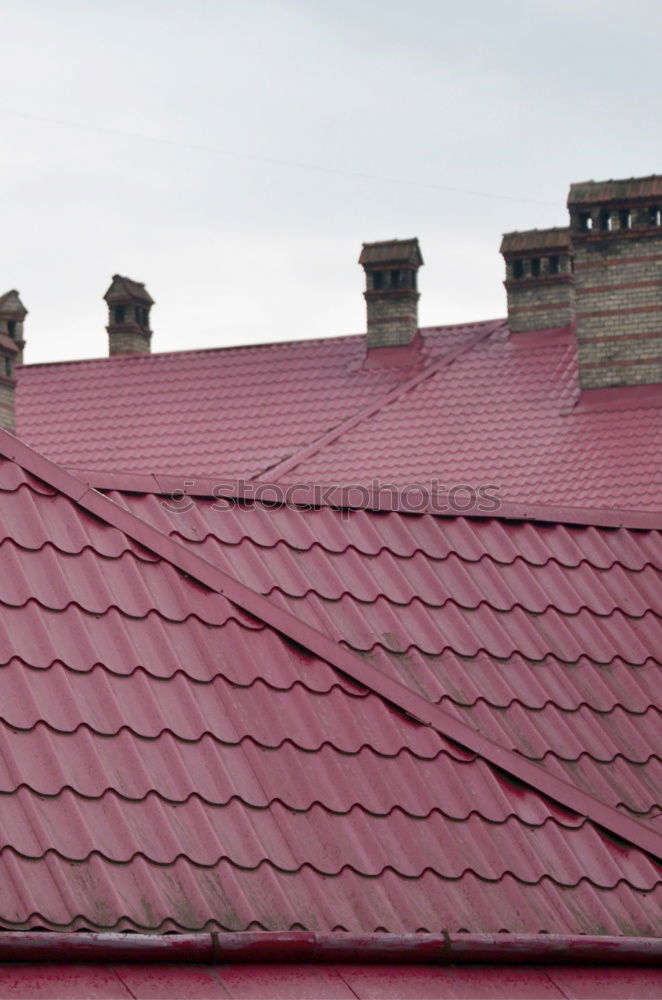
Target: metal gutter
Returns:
[[304, 947]]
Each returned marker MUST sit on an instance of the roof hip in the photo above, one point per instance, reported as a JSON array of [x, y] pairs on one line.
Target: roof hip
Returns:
[[289, 464]]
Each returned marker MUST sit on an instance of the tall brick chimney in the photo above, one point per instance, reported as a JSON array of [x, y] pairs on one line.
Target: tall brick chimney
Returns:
[[538, 279], [617, 238], [128, 316], [391, 296], [12, 315]]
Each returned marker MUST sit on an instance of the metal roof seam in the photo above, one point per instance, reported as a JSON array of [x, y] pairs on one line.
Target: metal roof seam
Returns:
[[338, 497], [417, 600], [375, 553], [457, 876], [394, 692], [189, 678], [569, 821], [207, 734], [289, 464], [412, 646]]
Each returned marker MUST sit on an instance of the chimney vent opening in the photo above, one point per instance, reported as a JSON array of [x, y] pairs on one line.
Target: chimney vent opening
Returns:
[[605, 220], [625, 218], [544, 299], [585, 221], [655, 215]]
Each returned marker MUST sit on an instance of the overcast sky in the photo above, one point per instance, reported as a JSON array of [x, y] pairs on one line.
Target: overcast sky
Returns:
[[234, 155]]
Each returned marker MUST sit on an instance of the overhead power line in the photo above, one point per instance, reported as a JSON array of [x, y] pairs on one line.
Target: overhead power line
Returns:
[[273, 160]]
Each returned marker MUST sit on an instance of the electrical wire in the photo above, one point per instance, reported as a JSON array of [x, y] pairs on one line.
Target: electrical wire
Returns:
[[272, 160]]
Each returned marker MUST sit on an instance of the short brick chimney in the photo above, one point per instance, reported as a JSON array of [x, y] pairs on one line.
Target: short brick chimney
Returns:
[[128, 327], [391, 296], [538, 281], [12, 315], [616, 231]]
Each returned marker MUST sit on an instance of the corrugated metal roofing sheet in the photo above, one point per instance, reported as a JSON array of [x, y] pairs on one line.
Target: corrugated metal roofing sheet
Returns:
[[327, 982], [168, 761], [545, 637], [233, 411], [506, 412]]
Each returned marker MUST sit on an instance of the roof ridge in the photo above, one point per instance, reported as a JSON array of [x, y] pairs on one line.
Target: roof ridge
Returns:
[[374, 498], [289, 464], [179, 352], [350, 664], [116, 358]]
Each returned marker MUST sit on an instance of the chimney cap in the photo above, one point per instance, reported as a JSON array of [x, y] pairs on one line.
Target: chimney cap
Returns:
[[11, 305], [629, 189], [124, 289], [530, 240], [401, 253]]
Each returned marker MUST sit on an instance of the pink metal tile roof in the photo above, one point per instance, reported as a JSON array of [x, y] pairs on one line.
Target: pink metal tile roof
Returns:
[[508, 413], [505, 411], [542, 636], [234, 411], [328, 981], [177, 753]]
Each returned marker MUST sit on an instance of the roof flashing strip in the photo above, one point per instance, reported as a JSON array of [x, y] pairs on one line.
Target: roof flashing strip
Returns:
[[610, 819], [287, 465], [343, 497]]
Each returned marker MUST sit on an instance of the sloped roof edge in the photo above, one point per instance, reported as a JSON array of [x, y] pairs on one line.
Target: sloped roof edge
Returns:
[[344, 497], [608, 818]]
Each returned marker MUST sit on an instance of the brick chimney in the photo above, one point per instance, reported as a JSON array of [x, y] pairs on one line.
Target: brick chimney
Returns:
[[617, 238], [128, 316], [391, 296], [538, 281], [12, 315]]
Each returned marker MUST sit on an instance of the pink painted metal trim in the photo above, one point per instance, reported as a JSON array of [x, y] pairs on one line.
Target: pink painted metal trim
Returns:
[[627, 828], [305, 947], [340, 497], [281, 469]]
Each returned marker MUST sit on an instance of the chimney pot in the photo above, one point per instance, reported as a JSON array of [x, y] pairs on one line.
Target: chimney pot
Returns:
[[617, 238], [128, 328], [391, 293], [538, 279]]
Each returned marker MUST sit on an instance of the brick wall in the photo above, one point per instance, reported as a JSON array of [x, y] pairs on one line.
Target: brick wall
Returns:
[[538, 281], [7, 393], [128, 340], [392, 317], [618, 286]]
